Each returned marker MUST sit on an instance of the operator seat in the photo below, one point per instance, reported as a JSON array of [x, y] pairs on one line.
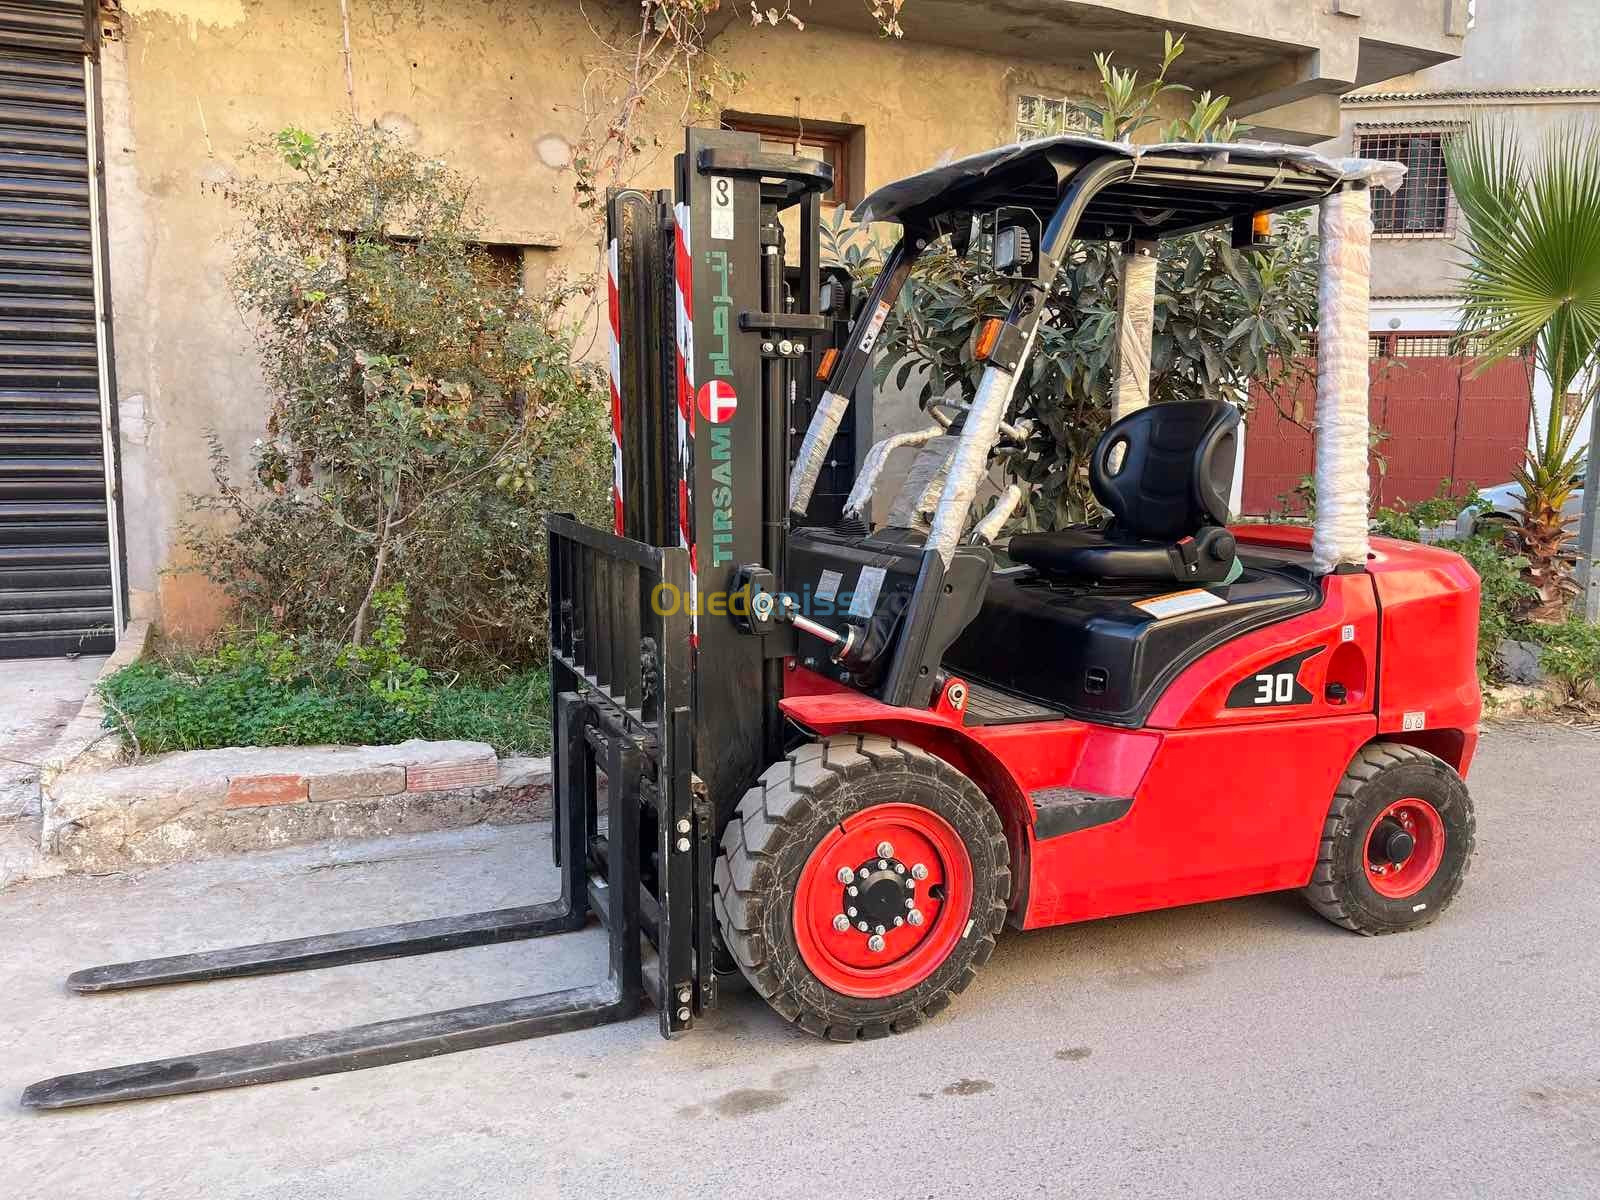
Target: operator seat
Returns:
[[1164, 473]]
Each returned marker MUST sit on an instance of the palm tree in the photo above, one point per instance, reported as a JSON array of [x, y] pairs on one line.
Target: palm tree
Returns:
[[1532, 278]]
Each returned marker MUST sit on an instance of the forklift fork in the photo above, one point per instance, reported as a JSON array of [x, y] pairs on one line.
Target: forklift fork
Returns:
[[642, 755]]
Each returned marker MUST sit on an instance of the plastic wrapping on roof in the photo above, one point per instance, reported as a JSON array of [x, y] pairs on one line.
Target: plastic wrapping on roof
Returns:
[[889, 201]]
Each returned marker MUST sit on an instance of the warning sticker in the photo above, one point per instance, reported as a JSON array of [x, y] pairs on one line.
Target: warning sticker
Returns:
[[875, 326], [866, 593], [1175, 604], [828, 585]]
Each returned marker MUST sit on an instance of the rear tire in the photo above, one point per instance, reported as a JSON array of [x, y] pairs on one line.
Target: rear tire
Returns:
[[1393, 789], [826, 808]]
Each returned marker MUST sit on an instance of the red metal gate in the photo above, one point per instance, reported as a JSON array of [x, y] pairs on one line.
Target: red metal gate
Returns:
[[1443, 421]]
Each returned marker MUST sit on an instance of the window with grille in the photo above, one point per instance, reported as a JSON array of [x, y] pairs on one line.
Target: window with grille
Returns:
[[824, 141], [1423, 207], [1044, 116]]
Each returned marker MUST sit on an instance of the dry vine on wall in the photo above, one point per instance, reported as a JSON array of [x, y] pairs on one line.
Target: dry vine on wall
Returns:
[[664, 58]]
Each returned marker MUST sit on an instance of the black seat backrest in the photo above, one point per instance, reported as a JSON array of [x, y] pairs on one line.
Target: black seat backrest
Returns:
[[1166, 470]]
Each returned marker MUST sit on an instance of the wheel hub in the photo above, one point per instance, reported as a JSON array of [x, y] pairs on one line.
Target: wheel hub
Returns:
[[1405, 844], [879, 896], [882, 900], [1391, 842]]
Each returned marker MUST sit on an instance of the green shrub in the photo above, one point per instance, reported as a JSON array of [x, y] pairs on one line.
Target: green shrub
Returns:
[[1570, 655], [1503, 592], [424, 414], [1407, 521]]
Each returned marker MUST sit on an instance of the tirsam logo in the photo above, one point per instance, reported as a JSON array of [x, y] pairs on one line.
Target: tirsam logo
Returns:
[[716, 401]]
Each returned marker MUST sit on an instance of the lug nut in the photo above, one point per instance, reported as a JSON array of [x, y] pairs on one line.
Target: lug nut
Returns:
[[845, 875], [861, 925], [766, 347], [900, 868], [683, 825], [919, 872], [683, 995], [853, 890], [683, 844], [850, 912], [880, 929], [899, 921], [875, 944], [911, 903], [786, 346], [915, 916], [684, 1014], [885, 850], [841, 923]]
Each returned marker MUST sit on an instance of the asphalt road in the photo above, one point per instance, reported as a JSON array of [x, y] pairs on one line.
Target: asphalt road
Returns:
[[1236, 1049]]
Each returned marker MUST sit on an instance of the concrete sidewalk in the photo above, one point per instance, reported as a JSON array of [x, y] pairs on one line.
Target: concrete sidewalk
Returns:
[[38, 696], [1241, 1049]]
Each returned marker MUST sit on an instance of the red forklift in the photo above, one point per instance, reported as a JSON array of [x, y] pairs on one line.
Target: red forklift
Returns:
[[834, 741]]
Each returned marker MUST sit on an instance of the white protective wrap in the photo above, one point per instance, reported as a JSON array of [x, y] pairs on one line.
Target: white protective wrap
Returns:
[[877, 458], [970, 463], [994, 520], [1136, 316], [919, 491], [1340, 531], [813, 455]]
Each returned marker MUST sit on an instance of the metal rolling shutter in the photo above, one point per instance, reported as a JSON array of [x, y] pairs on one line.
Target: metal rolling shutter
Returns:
[[56, 565]]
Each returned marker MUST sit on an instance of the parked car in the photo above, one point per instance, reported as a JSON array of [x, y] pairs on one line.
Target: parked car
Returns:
[[1503, 502]]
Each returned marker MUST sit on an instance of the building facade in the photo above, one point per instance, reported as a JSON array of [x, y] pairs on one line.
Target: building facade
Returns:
[[1531, 66], [122, 120]]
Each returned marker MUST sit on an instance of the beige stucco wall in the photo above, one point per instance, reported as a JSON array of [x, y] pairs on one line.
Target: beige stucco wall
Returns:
[[1511, 47], [490, 84]]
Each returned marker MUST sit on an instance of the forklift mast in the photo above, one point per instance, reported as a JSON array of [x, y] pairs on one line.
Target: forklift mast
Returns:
[[711, 368]]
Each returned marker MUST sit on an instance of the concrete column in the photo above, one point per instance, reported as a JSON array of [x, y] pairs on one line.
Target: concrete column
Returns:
[[1130, 380], [1339, 536]]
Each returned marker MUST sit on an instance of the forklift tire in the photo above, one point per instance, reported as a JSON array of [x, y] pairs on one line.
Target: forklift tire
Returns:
[[1396, 844], [897, 839]]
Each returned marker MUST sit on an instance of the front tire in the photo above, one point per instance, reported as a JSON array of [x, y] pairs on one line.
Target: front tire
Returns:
[[929, 880], [1396, 844]]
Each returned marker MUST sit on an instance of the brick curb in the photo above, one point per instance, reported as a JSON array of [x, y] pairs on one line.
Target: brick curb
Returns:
[[198, 803]]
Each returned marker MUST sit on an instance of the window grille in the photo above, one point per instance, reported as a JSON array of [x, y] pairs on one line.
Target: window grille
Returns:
[[1424, 206]]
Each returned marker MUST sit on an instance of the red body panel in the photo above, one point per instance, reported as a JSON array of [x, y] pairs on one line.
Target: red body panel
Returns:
[[1345, 632], [1428, 672], [1226, 801]]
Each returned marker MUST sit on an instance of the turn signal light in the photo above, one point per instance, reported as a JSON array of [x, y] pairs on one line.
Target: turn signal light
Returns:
[[829, 357], [988, 338], [1261, 225]]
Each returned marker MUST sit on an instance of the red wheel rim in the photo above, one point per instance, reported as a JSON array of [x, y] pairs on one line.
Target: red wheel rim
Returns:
[[1397, 878], [843, 959]]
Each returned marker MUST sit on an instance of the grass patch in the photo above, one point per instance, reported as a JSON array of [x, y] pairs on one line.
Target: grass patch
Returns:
[[265, 691]]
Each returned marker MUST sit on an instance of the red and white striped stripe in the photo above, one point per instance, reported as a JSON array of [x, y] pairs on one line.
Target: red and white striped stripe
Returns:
[[683, 268], [614, 329]]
